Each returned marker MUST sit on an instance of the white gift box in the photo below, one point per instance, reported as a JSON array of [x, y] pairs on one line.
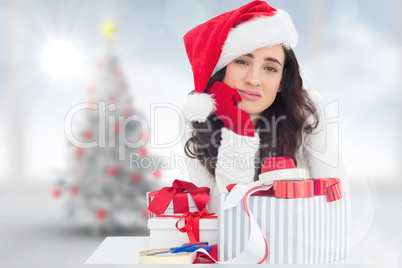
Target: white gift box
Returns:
[[297, 231], [163, 232]]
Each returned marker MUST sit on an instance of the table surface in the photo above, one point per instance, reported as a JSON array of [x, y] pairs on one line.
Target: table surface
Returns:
[[119, 250], [125, 250]]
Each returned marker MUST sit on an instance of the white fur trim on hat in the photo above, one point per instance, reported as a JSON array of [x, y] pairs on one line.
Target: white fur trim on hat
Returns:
[[198, 107], [257, 33]]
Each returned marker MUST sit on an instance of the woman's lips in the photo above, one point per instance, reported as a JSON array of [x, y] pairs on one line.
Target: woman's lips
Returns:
[[249, 95]]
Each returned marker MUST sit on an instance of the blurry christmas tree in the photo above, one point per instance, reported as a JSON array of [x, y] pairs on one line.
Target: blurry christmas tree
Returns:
[[103, 186]]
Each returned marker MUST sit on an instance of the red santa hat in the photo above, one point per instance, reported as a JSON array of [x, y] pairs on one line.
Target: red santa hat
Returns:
[[215, 43]]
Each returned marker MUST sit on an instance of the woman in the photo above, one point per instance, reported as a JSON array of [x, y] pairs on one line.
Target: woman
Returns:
[[249, 102]]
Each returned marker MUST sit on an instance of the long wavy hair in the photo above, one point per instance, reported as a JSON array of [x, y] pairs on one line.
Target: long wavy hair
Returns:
[[280, 126]]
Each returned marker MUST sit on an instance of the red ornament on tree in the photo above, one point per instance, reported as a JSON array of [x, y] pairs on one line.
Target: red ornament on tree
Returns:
[[127, 112], [110, 98], [116, 128], [87, 134], [144, 136], [56, 193], [145, 213], [112, 171], [135, 177], [157, 174], [74, 190], [118, 71], [101, 214], [143, 151], [79, 151]]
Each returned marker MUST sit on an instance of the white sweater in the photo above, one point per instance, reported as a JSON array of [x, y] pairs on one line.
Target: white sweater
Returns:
[[318, 155]]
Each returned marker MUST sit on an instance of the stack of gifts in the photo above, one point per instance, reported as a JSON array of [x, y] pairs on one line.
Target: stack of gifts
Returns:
[[293, 221], [179, 212], [284, 218]]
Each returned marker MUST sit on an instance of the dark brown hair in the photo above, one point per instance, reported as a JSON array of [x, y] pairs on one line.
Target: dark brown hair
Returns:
[[281, 125]]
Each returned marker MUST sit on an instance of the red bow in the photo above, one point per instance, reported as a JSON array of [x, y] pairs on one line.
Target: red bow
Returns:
[[330, 187], [192, 224], [163, 197]]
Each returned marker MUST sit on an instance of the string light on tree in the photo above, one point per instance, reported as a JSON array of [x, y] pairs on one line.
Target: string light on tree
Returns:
[[135, 177], [112, 171], [101, 214], [74, 190], [56, 192], [79, 151]]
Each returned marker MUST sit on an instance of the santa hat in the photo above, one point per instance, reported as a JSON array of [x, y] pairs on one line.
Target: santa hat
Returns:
[[214, 44]]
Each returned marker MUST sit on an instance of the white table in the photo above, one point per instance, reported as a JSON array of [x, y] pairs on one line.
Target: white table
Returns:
[[119, 250], [125, 250]]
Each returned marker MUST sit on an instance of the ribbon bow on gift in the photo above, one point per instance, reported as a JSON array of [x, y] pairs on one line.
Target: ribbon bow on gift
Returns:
[[164, 196], [330, 187], [192, 224]]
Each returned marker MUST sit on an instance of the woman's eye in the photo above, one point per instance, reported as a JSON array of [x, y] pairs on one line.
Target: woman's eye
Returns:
[[271, 69], [241, 62]]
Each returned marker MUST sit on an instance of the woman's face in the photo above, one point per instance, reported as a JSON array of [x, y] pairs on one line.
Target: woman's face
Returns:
[[256, 76]]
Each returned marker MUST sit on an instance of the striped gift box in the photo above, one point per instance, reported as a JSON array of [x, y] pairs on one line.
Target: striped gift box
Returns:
[[298, 231]]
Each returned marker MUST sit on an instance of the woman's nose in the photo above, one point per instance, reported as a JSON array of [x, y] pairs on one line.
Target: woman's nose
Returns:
[[253, 77]]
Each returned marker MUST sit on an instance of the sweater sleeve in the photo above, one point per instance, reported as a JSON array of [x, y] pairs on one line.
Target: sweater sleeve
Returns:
[[321, 148], [235, 164], [236, 159]]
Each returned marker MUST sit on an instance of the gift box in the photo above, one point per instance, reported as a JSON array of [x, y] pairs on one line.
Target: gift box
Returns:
[[179, 198], [298, 228], [164, 234]]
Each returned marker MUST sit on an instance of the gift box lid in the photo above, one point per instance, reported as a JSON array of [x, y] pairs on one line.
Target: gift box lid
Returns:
[[170, 223]]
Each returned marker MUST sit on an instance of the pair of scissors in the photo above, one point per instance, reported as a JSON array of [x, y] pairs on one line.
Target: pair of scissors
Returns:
[[184, 248]]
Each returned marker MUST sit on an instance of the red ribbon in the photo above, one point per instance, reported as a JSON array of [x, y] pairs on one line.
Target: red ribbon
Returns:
[[330, 187], [293, 189], [164, 196], [248, 214], [192, 224]]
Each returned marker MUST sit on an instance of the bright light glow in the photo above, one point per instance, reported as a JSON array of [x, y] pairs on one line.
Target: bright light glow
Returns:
[[62, 59]]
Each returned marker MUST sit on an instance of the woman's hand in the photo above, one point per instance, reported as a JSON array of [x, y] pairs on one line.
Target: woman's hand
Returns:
[[232, 117]]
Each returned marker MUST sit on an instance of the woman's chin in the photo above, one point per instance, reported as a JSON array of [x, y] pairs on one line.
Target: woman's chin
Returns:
[[249, 109]]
